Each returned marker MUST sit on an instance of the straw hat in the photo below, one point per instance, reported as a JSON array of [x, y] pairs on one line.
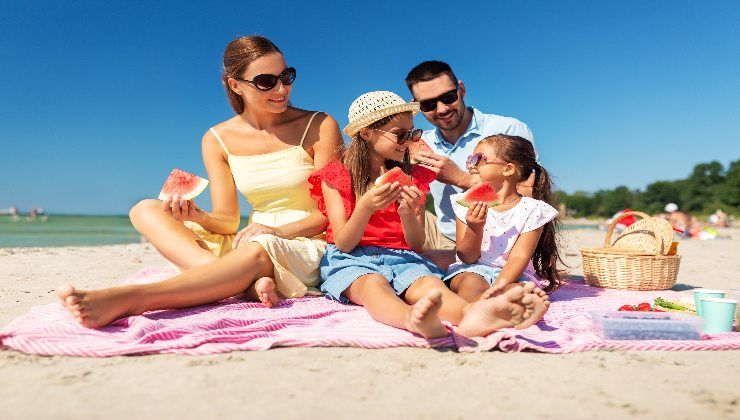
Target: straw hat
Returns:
[[374, 106]]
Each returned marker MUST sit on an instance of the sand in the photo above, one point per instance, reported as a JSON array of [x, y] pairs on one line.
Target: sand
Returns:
[[355, 383]]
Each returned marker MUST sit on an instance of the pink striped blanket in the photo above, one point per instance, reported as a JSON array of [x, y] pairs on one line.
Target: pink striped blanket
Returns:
[[314, 322]]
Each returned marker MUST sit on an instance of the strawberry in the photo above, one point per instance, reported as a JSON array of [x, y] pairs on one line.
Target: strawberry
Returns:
[[644, 307], [626, 308]]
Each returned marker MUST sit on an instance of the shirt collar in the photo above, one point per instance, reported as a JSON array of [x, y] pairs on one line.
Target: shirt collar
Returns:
[[473, 128]]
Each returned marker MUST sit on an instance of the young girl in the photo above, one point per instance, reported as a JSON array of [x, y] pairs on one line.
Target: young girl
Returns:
[[513, 243], [375, 232]]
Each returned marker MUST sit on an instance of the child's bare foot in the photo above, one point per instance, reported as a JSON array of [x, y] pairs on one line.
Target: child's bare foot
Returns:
[[423, 317], [265, 289], [540, 302], [504, 310], [97, 308]]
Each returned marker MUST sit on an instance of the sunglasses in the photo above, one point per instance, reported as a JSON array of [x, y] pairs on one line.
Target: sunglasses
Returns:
[[446, 98], [412, 135], [265, 82], [478, 159]]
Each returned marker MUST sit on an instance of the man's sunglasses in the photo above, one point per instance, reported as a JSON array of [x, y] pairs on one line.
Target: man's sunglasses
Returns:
[[265, 82], [478, 159], [413, 135], [446, 98]]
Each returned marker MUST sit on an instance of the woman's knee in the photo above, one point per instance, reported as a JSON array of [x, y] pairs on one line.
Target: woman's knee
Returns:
[[143, 209], [255, 253]]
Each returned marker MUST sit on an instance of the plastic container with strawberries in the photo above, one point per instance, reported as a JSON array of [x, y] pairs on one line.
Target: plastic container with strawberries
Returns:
[[633, 325]]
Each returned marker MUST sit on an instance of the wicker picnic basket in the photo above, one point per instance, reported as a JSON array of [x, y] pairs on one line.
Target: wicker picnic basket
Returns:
[[637, 260]]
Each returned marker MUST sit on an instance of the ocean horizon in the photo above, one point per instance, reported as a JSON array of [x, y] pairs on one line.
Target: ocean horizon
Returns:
[[91, 230]]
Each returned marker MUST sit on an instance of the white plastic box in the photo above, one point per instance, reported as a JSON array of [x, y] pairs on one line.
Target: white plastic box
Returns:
[[634, 325]]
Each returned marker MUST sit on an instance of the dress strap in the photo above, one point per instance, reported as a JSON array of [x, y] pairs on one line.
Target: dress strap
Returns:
[[221, 142], [307, 127]]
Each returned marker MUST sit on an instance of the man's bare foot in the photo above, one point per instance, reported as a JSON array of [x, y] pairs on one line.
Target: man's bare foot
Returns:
[[97, 308], [504, 310], [423, 317], [265, 289], [540, 302]]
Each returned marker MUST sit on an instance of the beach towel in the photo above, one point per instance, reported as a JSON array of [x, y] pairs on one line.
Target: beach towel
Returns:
[[234, 324]]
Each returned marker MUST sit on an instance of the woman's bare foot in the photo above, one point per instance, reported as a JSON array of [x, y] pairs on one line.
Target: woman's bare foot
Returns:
[[265, 289], [423, 317], [504, 310], [97, 308], [541, 303]]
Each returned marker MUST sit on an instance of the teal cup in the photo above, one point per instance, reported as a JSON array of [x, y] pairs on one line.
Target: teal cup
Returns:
[[705, 293], [718, 314]]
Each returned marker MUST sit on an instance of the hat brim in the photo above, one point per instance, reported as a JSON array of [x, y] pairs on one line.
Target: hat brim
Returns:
[[354, 126]]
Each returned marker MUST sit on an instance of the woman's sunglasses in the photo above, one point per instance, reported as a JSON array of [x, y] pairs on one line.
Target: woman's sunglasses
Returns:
[[265, 82], [477, 159], [446, 98], [413, 135]]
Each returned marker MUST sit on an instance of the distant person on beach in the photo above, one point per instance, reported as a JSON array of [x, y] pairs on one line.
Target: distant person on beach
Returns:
[[459, 129], [684, 222], [513, 243], [376, 232], [266, 152]]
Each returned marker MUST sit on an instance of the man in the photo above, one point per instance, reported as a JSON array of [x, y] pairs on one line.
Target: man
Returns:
[[459, 129]]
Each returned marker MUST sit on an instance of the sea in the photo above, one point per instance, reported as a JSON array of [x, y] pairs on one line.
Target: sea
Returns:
[[68, 230]]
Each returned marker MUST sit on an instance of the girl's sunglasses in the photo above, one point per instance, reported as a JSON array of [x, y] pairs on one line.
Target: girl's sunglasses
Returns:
[[265, 82], [413, 135], [446, 98], [477, 159]]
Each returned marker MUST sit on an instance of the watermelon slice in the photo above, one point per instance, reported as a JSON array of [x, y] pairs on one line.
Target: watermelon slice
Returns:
[[394, 175], [418, 147], [481, 192], [186, 185]]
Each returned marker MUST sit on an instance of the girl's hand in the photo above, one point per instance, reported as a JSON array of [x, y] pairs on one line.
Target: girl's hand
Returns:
[[409, 202], [252, 230], [378, 198], [182, 210], [476, 216]]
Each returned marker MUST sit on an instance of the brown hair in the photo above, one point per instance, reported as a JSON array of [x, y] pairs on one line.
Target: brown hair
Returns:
[[239, 54], [356, 158], [429, 70], [520, 152]]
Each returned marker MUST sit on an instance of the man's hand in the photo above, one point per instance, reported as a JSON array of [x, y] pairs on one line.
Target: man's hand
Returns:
[[447, 171]]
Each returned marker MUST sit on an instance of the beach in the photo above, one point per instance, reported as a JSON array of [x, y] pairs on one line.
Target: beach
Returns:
[[290, 383]]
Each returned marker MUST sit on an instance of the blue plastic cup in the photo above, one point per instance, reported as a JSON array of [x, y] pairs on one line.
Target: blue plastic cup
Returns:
[[718, 314], [705, 293]]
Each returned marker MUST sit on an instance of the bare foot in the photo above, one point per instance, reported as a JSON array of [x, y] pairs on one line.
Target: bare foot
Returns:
[[539, 302], [97, 308], [265, 289], [504, 310], [423, 317]]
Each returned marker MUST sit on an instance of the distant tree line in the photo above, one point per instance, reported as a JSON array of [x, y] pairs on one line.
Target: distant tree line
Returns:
[[709, 187]]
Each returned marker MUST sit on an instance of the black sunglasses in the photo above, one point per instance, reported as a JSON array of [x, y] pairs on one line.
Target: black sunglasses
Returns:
[[401, 138], [446, 98], [265, 82]]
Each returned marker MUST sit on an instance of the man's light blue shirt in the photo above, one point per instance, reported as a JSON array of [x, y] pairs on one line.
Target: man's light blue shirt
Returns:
[[481, 126]]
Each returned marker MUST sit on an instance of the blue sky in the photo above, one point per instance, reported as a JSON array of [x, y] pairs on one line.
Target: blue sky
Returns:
[[99, 100]]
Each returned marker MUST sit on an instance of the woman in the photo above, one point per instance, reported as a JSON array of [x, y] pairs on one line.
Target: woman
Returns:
[[267, 151]]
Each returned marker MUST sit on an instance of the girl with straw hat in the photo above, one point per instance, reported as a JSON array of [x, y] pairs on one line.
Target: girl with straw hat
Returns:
[[375, 233]]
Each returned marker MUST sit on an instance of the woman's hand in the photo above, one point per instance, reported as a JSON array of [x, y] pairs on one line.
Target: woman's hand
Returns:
[[409, 201], [378, 198], [476, 216], [182, 210], [252, 230]]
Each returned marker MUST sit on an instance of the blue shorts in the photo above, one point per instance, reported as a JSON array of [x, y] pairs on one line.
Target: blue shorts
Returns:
[[399, 266], [488, 273]]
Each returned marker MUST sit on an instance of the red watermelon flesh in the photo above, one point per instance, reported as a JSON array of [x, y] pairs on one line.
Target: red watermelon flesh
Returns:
[[394, 175], [184, 184], [482, 192], [418, 147]]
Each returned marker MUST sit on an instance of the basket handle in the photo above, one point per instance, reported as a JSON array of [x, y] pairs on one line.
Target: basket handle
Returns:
[[658, 242]]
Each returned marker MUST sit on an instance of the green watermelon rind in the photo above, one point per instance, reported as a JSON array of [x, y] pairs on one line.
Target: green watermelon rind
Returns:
[[200, 185]]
